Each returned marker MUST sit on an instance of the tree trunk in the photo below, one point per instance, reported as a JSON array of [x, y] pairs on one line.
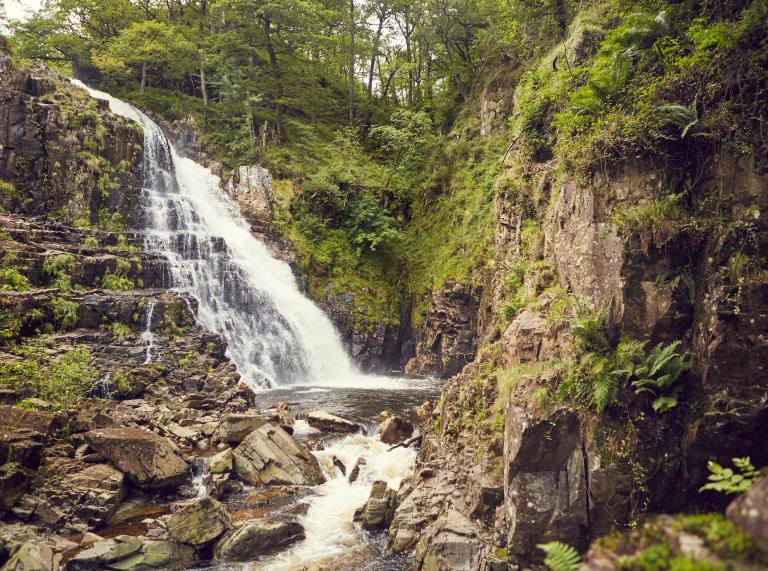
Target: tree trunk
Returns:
[[351, 61], [278, 77], [203, 88], [143, 78], [375, 54]]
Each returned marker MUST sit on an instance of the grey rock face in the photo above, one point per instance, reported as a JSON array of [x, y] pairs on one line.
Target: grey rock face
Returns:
[[269, 455], [199, 523], [235, 427], [255, 538], [149, 460], [329, 422], [137, 554]]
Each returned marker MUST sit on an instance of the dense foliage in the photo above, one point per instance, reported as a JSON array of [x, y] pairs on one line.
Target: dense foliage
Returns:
[[367, 111]]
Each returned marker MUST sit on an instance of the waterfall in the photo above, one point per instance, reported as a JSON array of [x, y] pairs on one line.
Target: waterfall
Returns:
[[275, 335], [147, 336]]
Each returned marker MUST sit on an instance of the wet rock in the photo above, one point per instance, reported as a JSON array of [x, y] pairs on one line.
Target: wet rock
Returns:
[[450, 544], [269, 455], [89, 539], [329, 422], [750, 511], [134, 553], [423, 412], [236, 427], [447, 339], [199, 523], [255, 538], [395, 429], [251, 186], [13, 484], [21, 446], [340, 465], [149, 460], [355, 472], [32, 556], [380, 507], [221, 462]]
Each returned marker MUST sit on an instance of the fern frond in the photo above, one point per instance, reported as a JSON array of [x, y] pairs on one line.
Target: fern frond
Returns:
[[560, 556]]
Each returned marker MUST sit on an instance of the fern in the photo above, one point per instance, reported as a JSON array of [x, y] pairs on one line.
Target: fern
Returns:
[[684, 117], [560, 556], [729, 481], [658, 374]]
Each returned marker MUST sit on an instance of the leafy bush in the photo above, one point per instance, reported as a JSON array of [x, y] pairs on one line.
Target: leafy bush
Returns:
[[119, 330], [655, 221], [370, 225], [560, 556], [115, 282], [730, 481], [64, 312], [61, 380], [11, 279], [118, 279], [57, 268], [90, 242], [110, 221], [594, 377], [658, 374]]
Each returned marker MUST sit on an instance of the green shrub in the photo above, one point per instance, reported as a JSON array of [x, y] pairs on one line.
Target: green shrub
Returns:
[[119, 330], [658, 373], [655, 222], [116, 282], [64, 312], [58, 268], [60, 380], [731, 481], [370, 225], [110, 221], [90, 242], [11, 279]]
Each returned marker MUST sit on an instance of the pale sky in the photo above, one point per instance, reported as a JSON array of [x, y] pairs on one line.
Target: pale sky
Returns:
[[16, 9]]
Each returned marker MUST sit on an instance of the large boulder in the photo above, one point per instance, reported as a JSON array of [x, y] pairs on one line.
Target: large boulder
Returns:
[[257, 537], [750, 511], [134, 553], [221, 463], [32, 556], [42, 422], [235, 427], [450, 544], [149, 460], [269, 455], [199, 523], [13, 484], [380, 507], [395, 429], [327, 422]]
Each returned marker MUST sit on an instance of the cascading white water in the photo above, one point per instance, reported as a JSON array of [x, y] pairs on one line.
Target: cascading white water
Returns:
[[148, 336], [275, 335]]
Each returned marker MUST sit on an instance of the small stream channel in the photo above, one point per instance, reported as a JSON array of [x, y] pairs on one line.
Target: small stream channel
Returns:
[[333, 541]]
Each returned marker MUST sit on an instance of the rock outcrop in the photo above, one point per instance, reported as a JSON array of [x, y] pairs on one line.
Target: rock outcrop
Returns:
[[256, 538], [149, 460], [251, 187], [395, 429], [125, 552], [448, 336], [270, 456], [327, 422], [199, 523]]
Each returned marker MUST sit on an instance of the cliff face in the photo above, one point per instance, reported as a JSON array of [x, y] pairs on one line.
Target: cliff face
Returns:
[[506, 464], [62, 155]]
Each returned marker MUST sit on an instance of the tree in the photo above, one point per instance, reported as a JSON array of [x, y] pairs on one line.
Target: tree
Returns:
[[147, 47]]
